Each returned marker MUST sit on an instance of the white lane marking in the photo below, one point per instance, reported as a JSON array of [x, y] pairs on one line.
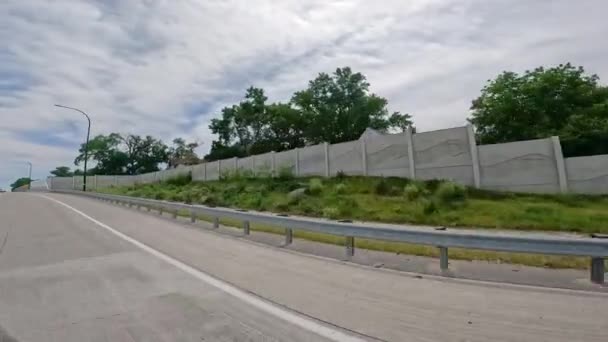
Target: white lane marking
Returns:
[[302, 322]]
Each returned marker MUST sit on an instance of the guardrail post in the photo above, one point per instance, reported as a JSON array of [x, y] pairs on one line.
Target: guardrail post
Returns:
[[597, 270], [160, 211], [350, 247], [216, 222], [246, 227], [149, 208], [288, 236], [443, 258], [192, 216], [175, 214]]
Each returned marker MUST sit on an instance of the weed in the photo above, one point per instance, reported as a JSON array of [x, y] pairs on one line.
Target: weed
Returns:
[[285, 173], [340, 175], [449, 193], [340, 188], [413, 191], [331, 212], [315, 187], [382, 187], [180, 180]]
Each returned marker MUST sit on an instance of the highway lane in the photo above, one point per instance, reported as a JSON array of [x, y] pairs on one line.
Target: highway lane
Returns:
[[387, 305], [64, 278]]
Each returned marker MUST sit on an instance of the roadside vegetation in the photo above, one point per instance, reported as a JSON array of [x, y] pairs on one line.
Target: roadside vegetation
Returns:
[[393, 200]]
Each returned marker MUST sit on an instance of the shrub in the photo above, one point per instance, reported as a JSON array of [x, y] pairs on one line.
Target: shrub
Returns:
[[209, 200], [433, 184], [161, 195], [340, 188], [413, 191], [340, 175], [382, 187], [315, 186], [330, 212], [451, 193], [428, 206], [285, 173], [180, 180], [235, 175]]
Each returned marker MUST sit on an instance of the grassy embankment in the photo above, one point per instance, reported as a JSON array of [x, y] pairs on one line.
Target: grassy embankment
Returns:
[[395, 200]]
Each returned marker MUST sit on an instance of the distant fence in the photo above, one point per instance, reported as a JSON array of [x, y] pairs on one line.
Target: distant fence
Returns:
[[524, 166]]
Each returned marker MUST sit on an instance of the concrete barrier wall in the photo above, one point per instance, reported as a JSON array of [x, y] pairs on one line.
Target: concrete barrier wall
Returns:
[[286, 160], [61, 183], [346, 157], [246, 164], [387, 155], [527, 166], [263, 164], [100, 181], [444, 154], [588, 175], [312, 160], [199, 172], [213, 171]]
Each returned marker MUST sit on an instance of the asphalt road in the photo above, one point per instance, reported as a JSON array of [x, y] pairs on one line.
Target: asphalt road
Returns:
[[75, 269]]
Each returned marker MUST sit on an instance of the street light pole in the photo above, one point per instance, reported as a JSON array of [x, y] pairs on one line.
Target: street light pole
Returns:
[[29, 183], [86, 146]]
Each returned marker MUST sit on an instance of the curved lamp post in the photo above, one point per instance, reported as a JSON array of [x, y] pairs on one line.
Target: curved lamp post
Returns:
[[86, 146], [29, 183]]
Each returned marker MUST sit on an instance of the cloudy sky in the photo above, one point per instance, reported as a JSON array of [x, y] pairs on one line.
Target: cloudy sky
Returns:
[[165, 67]]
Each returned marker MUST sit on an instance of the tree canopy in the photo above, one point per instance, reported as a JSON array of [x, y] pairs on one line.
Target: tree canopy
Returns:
[[334, 108], [20, 182], [116, 154], [62, 171], [561, 100]]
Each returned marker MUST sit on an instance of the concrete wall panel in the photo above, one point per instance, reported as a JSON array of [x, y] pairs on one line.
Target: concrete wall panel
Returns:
[[519, 166], [444, 154], [588, 174], [345, 157], [198, 172], [387, 155], [312, 160], [246, 164], [212, 170], [263, 164], [285, 160]]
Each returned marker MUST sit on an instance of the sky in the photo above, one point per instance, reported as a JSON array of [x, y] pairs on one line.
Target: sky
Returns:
[[166, 67]]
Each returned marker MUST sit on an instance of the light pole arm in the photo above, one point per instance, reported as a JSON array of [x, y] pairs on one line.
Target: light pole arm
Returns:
[[86, 146]]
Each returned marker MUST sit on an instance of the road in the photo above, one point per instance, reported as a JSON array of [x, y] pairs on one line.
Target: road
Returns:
[[75, 269]]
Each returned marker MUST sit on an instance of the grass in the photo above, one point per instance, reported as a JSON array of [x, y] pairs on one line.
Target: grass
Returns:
[[396, 200]]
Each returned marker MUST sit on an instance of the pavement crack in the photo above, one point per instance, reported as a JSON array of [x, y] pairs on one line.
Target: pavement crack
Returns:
[[4, 242]]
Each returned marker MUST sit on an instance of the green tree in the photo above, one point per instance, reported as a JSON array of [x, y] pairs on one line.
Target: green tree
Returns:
[[144, 154], [182, 153], [105, 151], [20, 182], [254, 127], [401, 121], [339, 107], [334, 108], [561, 100], [62, 171]]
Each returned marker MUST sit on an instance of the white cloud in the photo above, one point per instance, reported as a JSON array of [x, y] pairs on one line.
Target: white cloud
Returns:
[[165, 67]]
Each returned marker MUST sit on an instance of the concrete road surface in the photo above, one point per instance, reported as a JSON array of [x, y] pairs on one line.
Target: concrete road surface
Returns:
[[74, 269]]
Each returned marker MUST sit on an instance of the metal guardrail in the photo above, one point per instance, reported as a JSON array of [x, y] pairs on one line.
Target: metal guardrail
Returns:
[[595, 248]]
